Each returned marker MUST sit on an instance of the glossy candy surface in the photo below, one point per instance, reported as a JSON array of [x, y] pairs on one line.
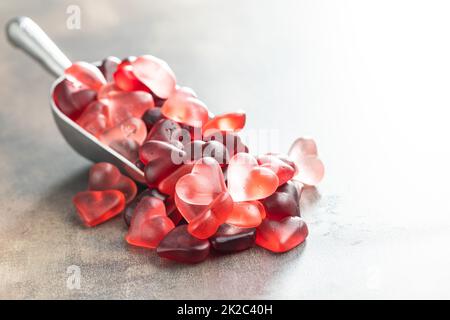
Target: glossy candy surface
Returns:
[[72, 99], [310, 168], [95, 118], [132, 128], [246, 214], [229, 238], [95, 207], [233, 122], [86, 74], [149, 224], [283, 235], [181, 246]]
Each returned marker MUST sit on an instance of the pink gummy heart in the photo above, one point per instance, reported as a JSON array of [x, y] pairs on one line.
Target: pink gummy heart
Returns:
[[249, 181], [233, 121], [203, 184], [310, 168], [282, 235], [95, 207], [86, 74], [132, 128], [71, 99], [167, 186], [105, 176], [185, 108], [149, 224], [246, 214], [123, 105], [282, 169], [95, 118], [155, 74]]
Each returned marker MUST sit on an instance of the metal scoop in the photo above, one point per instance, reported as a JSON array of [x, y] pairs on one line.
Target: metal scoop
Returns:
[[25, 34]]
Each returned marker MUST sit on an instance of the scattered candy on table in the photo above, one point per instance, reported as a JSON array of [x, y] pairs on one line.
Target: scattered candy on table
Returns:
[[205, 191]]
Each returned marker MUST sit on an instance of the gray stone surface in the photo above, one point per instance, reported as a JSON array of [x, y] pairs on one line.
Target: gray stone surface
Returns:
[[368, 81]]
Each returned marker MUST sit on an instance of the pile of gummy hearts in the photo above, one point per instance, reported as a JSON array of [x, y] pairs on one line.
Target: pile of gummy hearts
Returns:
[[204, 190]]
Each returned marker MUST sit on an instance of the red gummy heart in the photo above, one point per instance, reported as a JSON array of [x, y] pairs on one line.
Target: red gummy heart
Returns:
[[231, 239], [86, 74], [126, 80], [246, 214], [282, 169], [233, 121], [155, 74], [167, 185], [203, 184], [123, 105], [108, 90], [149, 224], [247, 180], [129, 148], [95, 207], [185, 108], [71, 99], [168, 131], [105, 176], [160, 159], [198, 149], [132, 128], [283, 235], [95, 118], [280, 205], [180, 246], [310, 168], [202, 198]]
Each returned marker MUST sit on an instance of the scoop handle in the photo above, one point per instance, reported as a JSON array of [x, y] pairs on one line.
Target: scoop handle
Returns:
[[25, 34]]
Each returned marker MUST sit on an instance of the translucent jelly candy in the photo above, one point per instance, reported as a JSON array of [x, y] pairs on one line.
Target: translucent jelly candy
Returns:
[[123, 105], [129, 148], [246, 214], [132, 128], [185, 108], [95, 118], [108, 67], [71, 99], [155, 74], [249, 181], [292, 189], [180, 246], [105, 176], [108, 90], [202, 198], [167, 185], [168, 131], [160, 159], [129, 210], [86, 74], [229, 238], [172, 211], [281, 236], [233, 121], [149, 224], [280, 205], [151, 117], [126, 80], [95, 207], [282, 169], [310, 168]]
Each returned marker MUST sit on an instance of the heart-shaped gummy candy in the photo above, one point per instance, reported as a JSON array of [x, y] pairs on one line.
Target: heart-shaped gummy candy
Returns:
[[132, 128], [181, 246], [149, 224], [72, 100], [282, 235], [230, 238], [233, 121], [86, 74], [95, 207], [247, 214], [281, 168], [105, 176], [310, 168], [247, 180]]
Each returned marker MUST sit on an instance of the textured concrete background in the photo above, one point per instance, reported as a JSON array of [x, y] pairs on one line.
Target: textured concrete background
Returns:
[[369, 80]]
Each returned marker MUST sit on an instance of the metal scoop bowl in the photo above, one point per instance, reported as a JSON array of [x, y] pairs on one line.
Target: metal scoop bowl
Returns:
[[25, 34]]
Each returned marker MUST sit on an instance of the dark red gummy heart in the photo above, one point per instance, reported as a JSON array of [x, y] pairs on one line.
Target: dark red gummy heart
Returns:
[[72, 100], [168, 131], [180, 246], [149, 224], [229, 238], [105, 176], [281, 236], [129, 210], [280, 205], [95, 207], [109, 67]]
